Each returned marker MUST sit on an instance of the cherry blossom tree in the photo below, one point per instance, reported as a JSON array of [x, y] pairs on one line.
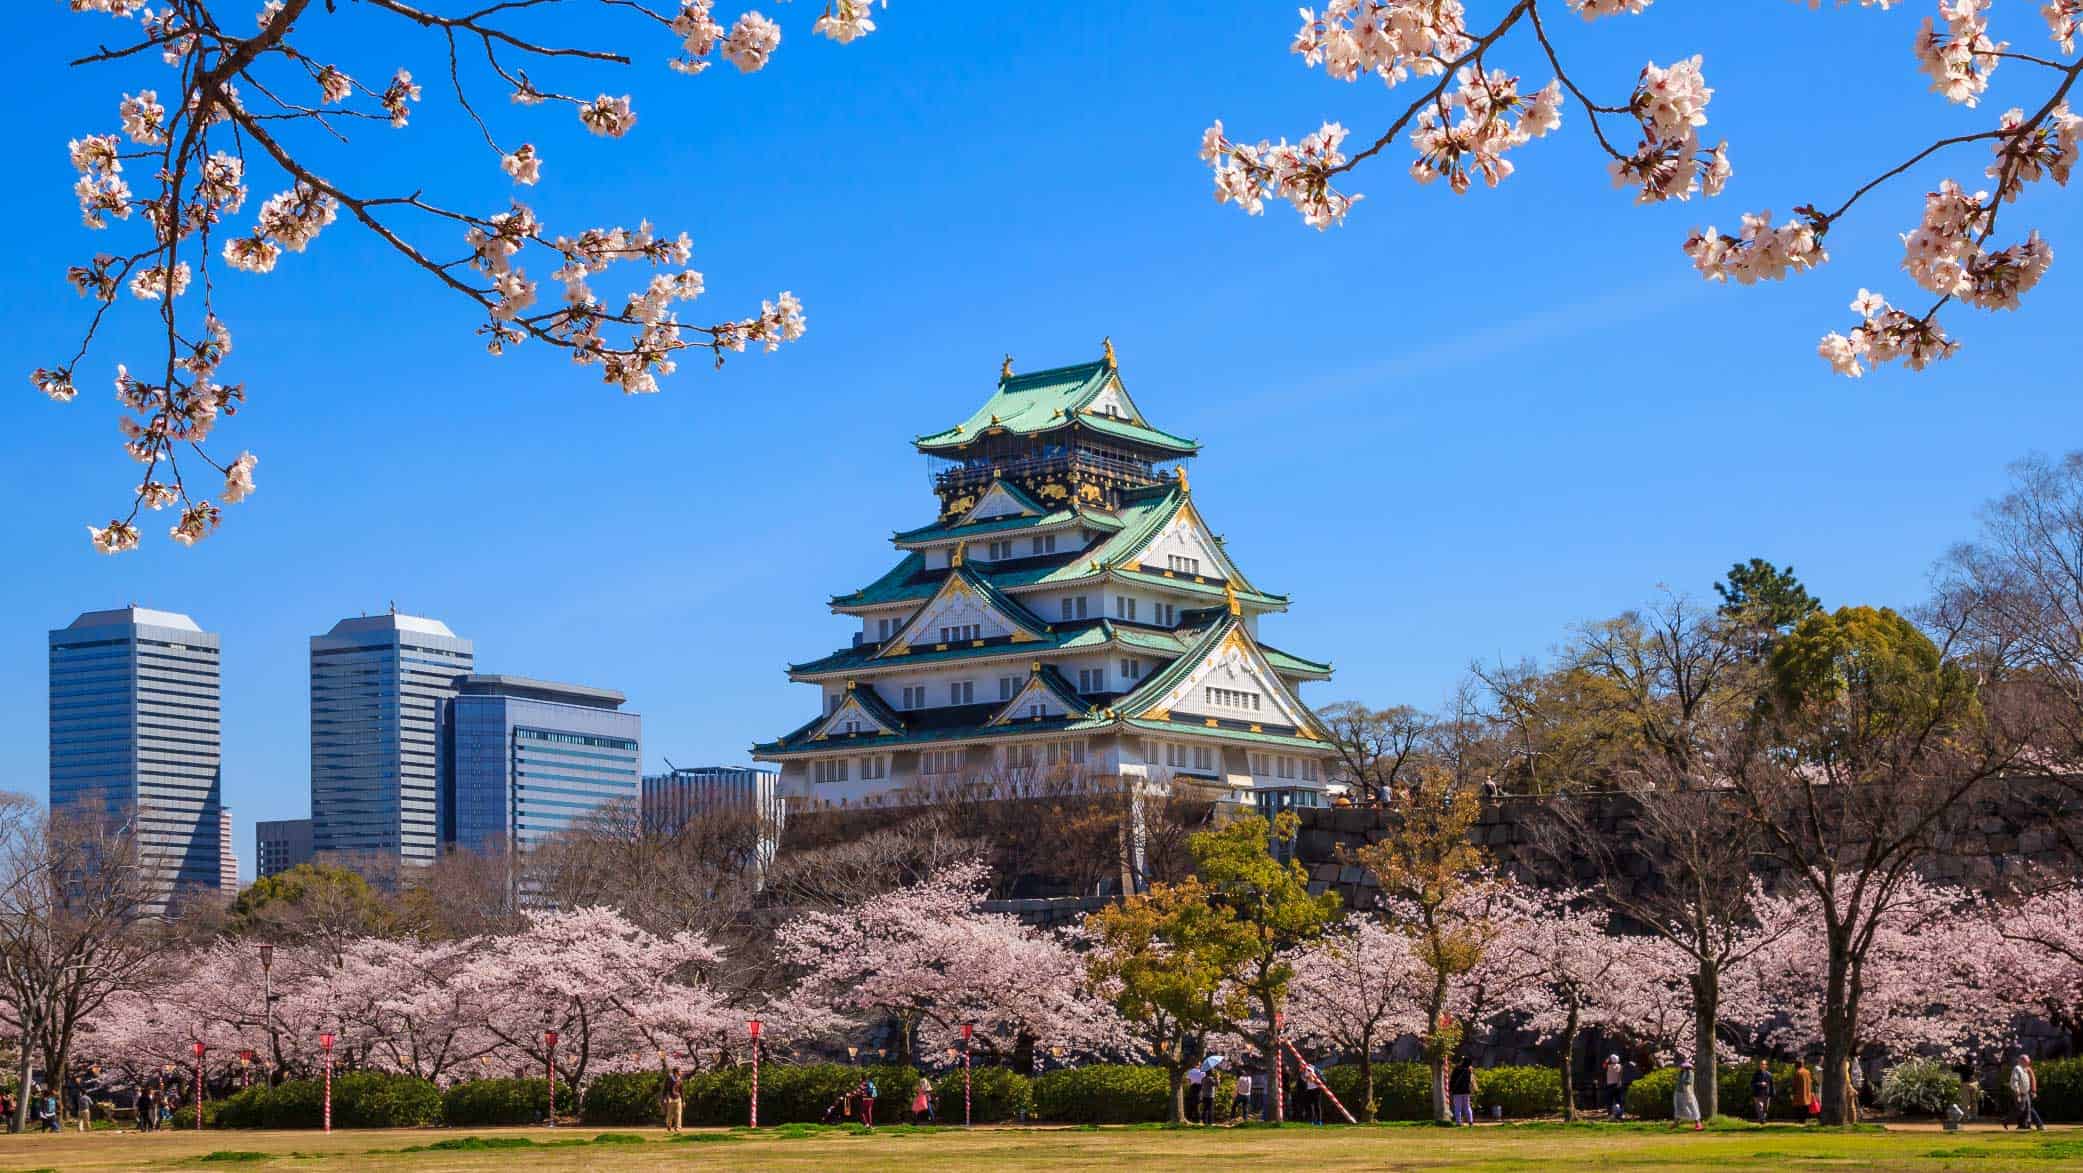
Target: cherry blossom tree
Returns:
[[1357, 988], [2032, 952], [1473, 112], [928, 957], [592, 977], [264, 97]]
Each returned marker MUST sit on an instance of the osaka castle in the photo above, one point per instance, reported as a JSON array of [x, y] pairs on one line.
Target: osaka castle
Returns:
[[1066, 614]]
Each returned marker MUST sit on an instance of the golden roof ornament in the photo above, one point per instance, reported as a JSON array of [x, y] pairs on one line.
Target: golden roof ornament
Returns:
[[1034, 666], [1108, 343], [1183, 486], [849, 686], [1006, 371], [954, 557], [1229, 591]]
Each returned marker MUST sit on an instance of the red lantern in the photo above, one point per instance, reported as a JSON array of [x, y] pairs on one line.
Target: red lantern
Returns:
[[198, 1049], [549, 1038], [753, 1026], [325, 1039], [246, 1056], [968, 1029]]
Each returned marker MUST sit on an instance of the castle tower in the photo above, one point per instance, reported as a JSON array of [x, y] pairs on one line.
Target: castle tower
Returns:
[[1067, 615]]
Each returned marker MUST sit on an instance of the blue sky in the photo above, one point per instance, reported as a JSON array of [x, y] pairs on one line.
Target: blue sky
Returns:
[[1449, 429]]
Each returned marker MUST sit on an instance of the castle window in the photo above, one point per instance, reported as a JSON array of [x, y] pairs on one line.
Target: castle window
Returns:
[[914, 696], [1131, 669], [1230, 698], [1203, 758], [885, 628], [961, 692], [1167, 615], [1092, 680], [874, 767], [959, 633], [828, 770], [1007, 686], [1001, 550], [940, 761], [1074, 608], [1124, 607], [1045, 544], [1181, 564]]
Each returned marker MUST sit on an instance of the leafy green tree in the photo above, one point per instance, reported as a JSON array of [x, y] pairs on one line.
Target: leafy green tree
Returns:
[[315, 902], [1432, 877], [1767, 599], [1855, 770], [1164, 960], [1271, 903]]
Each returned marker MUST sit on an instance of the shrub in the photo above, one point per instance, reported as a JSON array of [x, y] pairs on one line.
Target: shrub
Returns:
[[995, 1093], [1402, 1091], [1923, 1086], [2061, 1089], [496, 1101], [1522, 1091], [1104, 1093], [625, 1098], [1649, 1096], [361, 1099], [792, 1093]]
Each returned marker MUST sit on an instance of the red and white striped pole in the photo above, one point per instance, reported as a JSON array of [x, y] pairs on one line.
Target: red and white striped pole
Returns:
[[549, 1064], [752, 1026], [198, 1085], [967, 1030], [1279, 1083], [325, 1041]]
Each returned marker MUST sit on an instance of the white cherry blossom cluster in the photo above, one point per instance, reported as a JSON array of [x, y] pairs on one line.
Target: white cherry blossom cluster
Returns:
[[2064, 18], [2048, 149], [846, 21], [1300, 173], [1393, 39], [1593, 9], [397, 97], [1885, 334], [1482, 129], [752, 38], [608, 116], [1671, 104], [1960, 59], [1761, 253], [1945, 252]]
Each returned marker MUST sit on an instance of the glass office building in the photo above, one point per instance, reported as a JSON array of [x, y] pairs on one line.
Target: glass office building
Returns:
[[280, 844], [135, 734], [529, 758], [378, 684]]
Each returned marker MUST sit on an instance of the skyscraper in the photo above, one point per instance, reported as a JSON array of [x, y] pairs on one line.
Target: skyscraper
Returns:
[[377, 687], [135, 734], [227, 859], [528, 758], [280, 844]]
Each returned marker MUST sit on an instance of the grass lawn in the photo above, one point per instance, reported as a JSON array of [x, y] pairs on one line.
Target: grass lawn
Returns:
[[1505, 1147]]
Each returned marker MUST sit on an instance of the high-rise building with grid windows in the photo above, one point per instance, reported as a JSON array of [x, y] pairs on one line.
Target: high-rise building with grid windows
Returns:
[[377, 687], [135, 730], [529, 758]]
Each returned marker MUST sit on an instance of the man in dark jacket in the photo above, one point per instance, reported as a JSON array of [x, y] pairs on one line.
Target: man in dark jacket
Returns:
[[1761, 1091]]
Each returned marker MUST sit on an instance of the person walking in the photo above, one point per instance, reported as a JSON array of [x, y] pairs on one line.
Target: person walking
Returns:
[[1810, 1104], [922, 1101], [1461, 1091], [2025, 1085], [1194, 1076], [1761, 1092], [1685, 1102], [82, 1105], [47, 1111], [675, 1096], [866, 1092], [146, 1113], [1616, 1083], [1240, 1096]]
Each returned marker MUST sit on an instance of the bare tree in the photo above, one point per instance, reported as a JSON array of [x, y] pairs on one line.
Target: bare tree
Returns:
[[1377, 748], [79, 921]]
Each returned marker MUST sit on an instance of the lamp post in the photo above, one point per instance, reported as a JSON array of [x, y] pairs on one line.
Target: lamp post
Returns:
[[325, 1043], [549, 1061], [267, 998], [752, 1027], [852, 1055], [967, 1030], [198, 1048], [245, 1069]]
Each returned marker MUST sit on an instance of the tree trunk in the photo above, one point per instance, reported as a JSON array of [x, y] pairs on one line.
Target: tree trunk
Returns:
[[1177, 1073], [1436, 1047], [1368, 1115], [1706, 1011], [1276, 1102], [22, 1073], [1567, 1065], [1838, 1010]]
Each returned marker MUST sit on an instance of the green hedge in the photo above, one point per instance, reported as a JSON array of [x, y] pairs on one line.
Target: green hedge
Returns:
[[1524, 1092], [1649, 1096], [1402, 1091], [995, 1095], [496, 1101], [627, 1098], [792, 1093], [361, 1099], [1103, 1093]]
